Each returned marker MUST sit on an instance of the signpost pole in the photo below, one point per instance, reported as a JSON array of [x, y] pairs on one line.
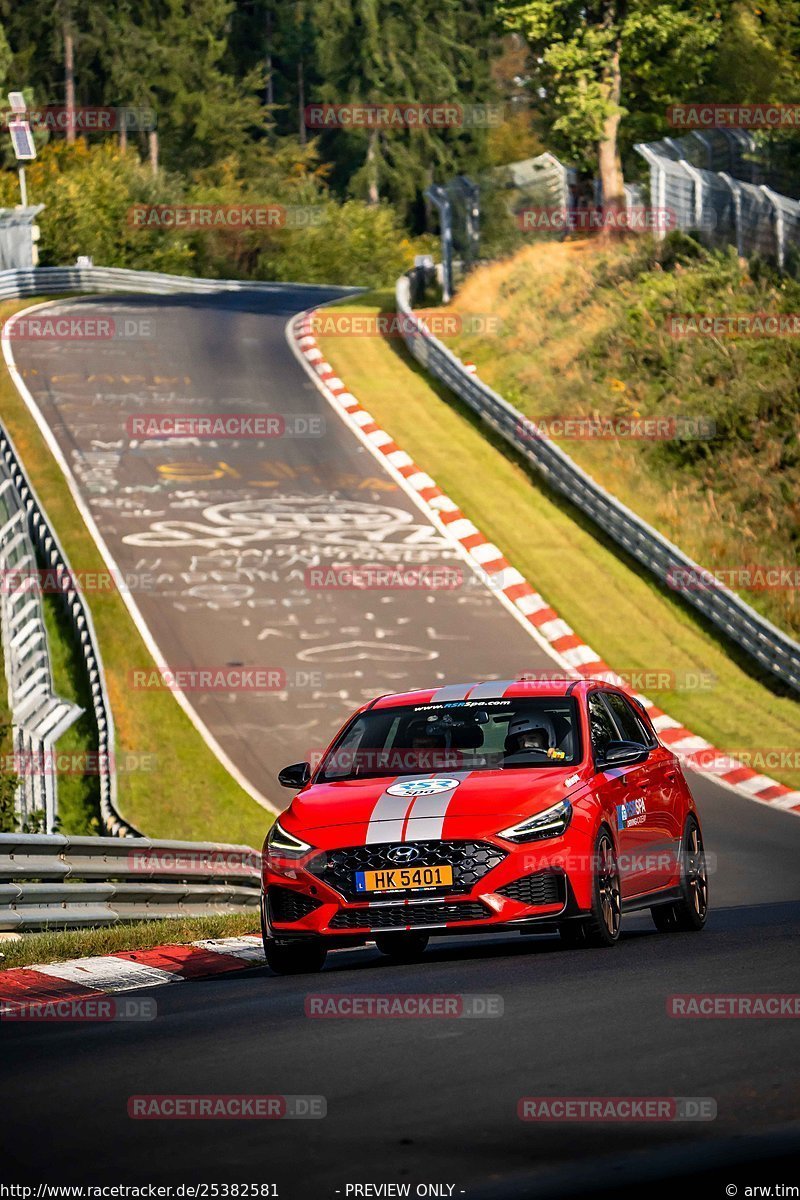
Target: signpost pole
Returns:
[[21, 140]]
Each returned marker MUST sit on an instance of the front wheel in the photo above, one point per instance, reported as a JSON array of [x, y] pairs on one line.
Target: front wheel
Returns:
[[402, 947], [688, 914], [295, 958], [601, 927]]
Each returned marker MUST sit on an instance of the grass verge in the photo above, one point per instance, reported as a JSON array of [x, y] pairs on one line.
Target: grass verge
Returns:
[[78, 791], [60, 945], [588, 333], [189, 795], [625, 616]]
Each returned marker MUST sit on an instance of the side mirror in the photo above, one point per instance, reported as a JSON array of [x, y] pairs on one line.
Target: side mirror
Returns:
[[295, 776], [620, 754]]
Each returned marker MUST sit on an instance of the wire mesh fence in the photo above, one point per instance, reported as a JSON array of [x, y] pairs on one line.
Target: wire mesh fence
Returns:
[[722, 207]]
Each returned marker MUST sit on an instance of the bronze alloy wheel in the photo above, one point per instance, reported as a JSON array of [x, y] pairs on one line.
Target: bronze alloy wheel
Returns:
[[688, 914]]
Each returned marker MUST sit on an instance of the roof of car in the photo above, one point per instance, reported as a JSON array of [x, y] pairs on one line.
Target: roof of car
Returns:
[[495, 689]]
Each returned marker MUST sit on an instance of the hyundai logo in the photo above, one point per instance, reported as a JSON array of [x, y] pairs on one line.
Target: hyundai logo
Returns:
[[402, 854]]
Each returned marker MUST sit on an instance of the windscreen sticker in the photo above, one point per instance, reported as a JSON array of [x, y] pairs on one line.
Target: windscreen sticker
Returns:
[[462, 704]]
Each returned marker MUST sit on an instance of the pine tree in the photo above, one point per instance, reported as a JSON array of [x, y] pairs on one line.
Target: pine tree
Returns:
[[376, 52]]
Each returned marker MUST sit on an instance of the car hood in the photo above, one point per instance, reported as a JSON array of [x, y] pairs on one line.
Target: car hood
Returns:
[[451, 804]]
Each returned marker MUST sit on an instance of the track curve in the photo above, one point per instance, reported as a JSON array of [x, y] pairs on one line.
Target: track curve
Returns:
[[218, 538]]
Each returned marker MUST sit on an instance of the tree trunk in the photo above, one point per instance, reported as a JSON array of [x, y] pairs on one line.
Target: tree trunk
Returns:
[[69, 80], [270, 89], [301, 101], [609, 161], [152, 140], [373, 195], [123, 136]]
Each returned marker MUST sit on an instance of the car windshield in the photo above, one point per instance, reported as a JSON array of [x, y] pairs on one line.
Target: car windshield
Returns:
[[456, 736]]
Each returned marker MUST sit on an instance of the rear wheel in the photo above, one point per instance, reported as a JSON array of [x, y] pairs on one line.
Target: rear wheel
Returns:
[[295, 958], [688, 914], [601, 927], [402, 947]]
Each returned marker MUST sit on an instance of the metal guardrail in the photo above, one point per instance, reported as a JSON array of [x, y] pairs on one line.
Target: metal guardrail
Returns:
[[43, 538], [61, 882], [38, 716], [37, 281], [772, 649]]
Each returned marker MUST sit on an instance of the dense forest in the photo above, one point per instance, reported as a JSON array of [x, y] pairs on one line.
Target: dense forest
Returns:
[[221, 100]]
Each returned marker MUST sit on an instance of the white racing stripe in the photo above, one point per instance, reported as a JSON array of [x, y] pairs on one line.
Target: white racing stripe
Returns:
[[452, 691], [407, 818], [426, 820], [492, 689], [388, 818]]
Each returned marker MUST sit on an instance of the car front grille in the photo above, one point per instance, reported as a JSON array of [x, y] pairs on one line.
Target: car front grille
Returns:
[[470, 862], [399, 916], [543, 887], [286, 905]]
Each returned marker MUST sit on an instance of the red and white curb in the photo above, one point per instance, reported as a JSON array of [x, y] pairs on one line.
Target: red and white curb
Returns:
[[85, 978], [543, 623]]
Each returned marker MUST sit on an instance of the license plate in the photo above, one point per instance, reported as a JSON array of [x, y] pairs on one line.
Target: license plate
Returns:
[[401, 879]]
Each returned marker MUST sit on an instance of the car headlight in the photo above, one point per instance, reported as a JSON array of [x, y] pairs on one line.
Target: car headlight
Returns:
[[286, 845], [550, 823]]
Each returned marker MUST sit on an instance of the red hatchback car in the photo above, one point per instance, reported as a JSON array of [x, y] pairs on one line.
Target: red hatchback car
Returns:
[[500, 806]]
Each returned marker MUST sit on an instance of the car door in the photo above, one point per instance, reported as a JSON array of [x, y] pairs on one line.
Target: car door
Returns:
[[655, 783], [617, 792]]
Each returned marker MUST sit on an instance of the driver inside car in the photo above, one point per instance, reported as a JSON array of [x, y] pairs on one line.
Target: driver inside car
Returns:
[[531, 735]]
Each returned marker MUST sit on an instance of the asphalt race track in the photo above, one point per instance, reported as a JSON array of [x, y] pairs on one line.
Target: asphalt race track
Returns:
[[216, 538], [409, 1101]]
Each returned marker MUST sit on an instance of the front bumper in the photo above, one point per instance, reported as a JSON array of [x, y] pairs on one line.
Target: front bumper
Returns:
[[495, 885]]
